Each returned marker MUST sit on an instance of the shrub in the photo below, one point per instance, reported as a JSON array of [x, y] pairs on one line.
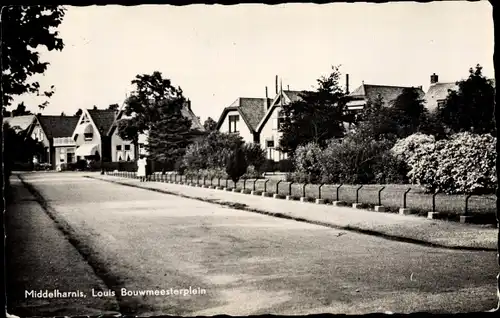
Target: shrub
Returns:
[[268, 166], [464, 163], [180, 167], [285, 165], [236, 164], [407, 147], [355, 160], [255, 155], [251, 173], [307, 162]]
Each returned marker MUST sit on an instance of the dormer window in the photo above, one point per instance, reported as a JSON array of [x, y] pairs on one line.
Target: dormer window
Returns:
[[233, 123], [88, 133], [281, 120]]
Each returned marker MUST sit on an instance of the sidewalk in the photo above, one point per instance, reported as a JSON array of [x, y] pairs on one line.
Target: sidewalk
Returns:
[[407, 228], [39, 257]]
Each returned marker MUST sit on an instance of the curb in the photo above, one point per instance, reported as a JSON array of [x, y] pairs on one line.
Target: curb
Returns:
[[244, 207]]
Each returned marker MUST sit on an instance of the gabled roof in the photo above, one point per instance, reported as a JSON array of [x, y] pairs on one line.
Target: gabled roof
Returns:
[[103, 119], [388, 93], [250, 109], [20, 123], [58, 126], [287, 97]]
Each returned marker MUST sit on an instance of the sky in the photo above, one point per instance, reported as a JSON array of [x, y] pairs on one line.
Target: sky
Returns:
[[219, 53]]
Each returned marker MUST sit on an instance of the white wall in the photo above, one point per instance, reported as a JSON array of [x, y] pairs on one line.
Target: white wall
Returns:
[[117, 141], [270, 132], [242, 127]]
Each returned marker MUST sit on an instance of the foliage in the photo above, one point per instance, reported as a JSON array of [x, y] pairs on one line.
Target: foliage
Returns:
[[464, 163], [285, 165], [153, 95], [254, 155], [407, 111], [236, 165], [354, 160], [376, 121], [170, 135], [19, 111], [113, 107], [472, 107], [210, 124], [208, 173], [27, 28], [251, 173], [413, 145], [211, 151], [79, 112], [307, 161], [316, 117], [268, 166]]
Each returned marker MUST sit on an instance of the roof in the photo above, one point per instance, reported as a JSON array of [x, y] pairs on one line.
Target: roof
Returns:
[[251, 109], [20, 123], [58, 126], [103, 119], [438, 92], [388, 93], [289, 97]]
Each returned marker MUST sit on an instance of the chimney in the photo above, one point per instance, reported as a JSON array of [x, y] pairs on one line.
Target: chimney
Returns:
[[434, 78], [276, 84], [347, 84], [288, 87], [266, 101]]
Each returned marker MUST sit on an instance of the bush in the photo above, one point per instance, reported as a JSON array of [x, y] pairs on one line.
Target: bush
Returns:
[[180, 167], [464, 163], [255, 155], [236, 164], [285, 165], [356, 160], [208, 173], [268, 166], [251, 173], [307, 160]]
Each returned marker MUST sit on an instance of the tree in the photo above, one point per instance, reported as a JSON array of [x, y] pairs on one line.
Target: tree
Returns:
[[210, 124], [79, 112], [407, 110], [170, 135], [236, 164], [25, 29], [376, 121], [472, 107], [317, 117], [255, 155], [113, 107], [155, 100]]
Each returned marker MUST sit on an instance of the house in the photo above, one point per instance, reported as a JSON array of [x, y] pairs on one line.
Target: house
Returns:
[[268, 128], [243, 117], [91, 135], [21, 124], [369, 92], [437, 92], [55, 133], [124, 150]]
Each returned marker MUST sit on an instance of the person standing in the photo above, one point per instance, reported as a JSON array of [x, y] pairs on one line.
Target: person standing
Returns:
[[141, 168]]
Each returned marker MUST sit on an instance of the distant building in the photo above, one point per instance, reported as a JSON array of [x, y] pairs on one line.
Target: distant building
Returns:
[[369, 92], [438, 92]]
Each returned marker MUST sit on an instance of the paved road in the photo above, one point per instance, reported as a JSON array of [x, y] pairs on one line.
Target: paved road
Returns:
[[250, 263]]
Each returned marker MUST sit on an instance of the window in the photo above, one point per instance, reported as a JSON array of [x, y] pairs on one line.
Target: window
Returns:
[[440, 104], [270, 143], [281, 120], [118, 147], [127, 147], [88, 133], [233, 123]]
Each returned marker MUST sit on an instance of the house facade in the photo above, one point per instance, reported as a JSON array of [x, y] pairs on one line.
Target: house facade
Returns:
[[243, 116], [438, 92], [56, 132], [269, 126], [91, 135]]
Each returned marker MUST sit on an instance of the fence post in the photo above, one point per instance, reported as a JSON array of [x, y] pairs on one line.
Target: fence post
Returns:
[[319, 190], [265, 185], [277, 186], [304, 190], [404, 198], [197, 179], [466, 212], [244, 183], [434, 201], [338, 188], [254, 181], [290, 188], [357, 193], [218, 182], [204, 180], [379, 198], [227, 183]]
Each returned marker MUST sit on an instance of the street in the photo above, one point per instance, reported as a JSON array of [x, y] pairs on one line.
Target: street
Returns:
[[246, 262]]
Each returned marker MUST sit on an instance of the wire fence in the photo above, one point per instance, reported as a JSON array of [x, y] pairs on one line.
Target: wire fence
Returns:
[[391, 196]]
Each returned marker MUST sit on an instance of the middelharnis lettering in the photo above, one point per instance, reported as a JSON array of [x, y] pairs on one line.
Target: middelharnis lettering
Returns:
[[123, 292]]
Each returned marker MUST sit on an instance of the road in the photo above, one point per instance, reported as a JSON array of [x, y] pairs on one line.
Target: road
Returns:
[[246, 263]]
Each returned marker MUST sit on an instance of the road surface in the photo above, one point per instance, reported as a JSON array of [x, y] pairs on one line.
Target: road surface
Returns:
[[227, 261]]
